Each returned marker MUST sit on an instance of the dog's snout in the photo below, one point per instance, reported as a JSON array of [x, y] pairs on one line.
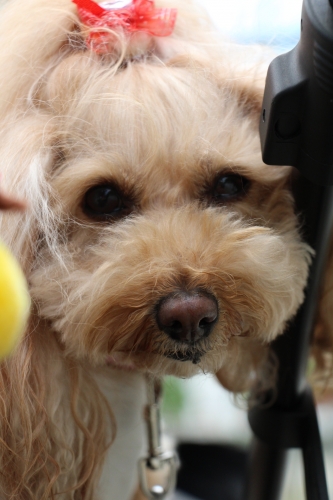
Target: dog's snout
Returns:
[[187, 317]]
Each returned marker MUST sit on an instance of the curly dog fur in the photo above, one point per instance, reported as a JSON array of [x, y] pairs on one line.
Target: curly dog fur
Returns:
[[164, 124]]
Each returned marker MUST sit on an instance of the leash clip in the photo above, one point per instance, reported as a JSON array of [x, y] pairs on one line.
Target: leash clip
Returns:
[[158, 465]]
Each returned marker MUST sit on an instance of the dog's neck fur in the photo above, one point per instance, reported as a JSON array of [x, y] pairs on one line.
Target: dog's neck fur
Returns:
[[125, 393]]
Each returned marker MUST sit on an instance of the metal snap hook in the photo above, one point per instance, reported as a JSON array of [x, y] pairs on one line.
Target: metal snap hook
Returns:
[[157, 461], [158, 464]]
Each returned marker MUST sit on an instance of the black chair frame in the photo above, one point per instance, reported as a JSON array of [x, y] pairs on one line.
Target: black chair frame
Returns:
[[296, 129]]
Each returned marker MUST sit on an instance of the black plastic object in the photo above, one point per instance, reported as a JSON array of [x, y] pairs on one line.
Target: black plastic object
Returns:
[[203, 465], [297, 129], [291, 422], [297, 117]]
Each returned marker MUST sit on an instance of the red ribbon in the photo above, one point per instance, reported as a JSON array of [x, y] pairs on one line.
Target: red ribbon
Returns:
[[139, 15]]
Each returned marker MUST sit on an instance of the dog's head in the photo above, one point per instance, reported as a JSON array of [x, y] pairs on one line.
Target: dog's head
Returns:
[[156, 238]]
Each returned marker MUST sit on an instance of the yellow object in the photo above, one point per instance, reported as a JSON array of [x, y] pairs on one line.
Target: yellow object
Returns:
[[14, 302]]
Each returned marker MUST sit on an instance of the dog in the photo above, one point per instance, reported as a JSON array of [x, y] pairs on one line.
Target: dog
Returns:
[[156, 240]]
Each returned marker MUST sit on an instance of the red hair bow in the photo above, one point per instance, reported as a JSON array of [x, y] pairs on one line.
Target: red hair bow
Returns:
[[130, 15]]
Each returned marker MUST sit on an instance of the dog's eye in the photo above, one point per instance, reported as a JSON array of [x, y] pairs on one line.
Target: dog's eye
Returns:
[[103, 202], [229, 187]]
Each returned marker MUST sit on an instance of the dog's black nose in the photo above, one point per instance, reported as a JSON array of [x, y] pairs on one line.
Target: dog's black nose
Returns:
[[186, 316]]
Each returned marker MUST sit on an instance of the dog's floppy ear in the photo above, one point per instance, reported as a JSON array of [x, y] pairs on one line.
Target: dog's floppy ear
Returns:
[[249, 94], [30, 37], [35, 35], [249, 91]]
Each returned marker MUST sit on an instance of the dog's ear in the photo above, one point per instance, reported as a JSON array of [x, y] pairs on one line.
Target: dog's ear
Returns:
[[31, 419], [249, 94], [31, 37], [35, 35]]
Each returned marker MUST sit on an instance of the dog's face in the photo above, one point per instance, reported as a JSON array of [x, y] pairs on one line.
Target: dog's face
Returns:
[[175, 248]]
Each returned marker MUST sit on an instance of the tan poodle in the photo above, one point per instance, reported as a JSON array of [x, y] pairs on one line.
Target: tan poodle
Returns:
[[156, 240]]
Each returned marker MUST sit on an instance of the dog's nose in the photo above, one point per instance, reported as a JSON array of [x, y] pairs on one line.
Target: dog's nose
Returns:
[[187, 317]]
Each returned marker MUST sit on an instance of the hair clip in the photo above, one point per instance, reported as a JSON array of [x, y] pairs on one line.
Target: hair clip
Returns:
[[129, 15]]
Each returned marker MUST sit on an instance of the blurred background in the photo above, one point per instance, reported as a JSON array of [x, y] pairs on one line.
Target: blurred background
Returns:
[[271, 22], [208, 423], [211, 427]]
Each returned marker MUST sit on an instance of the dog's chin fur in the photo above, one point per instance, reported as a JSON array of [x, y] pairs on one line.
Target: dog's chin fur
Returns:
[[161, 120]]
